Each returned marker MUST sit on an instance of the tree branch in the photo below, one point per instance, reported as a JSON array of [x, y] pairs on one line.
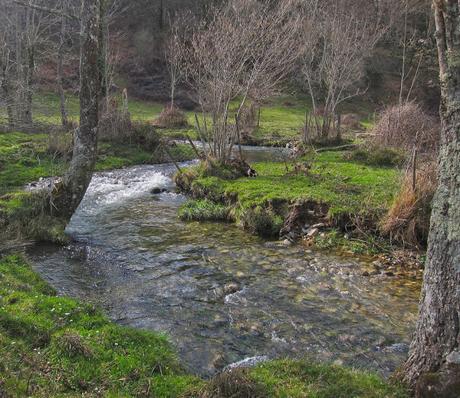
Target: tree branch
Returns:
[[54, 11]]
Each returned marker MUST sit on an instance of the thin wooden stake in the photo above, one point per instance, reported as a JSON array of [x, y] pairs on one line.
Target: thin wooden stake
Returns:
[[414, 170]]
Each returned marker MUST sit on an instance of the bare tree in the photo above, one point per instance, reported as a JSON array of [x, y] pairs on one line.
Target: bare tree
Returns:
[[174, 51], [338, 36], [433, 366], [24, 33], [242, 52]]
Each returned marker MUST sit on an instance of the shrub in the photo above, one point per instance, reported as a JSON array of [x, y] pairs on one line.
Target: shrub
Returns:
[[405, 126], [408, 220], [203, 210], [115, 122], [373, 155], [171, 117], [60, 143], [146, 136]]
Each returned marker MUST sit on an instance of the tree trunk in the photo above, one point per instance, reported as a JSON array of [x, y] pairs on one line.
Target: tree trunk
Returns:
[[60, 74], [28, 91], [68, 196], [433, 366], [7, 93]]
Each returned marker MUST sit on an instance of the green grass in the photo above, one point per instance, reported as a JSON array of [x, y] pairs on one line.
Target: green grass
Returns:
[[203, 210], [281, 121], [55, 346], [347, 187], [299, 379], [350, 192]]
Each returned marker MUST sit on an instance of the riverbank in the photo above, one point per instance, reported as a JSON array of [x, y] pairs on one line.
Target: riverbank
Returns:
[[27, 158], [54, 346], [327, 201]]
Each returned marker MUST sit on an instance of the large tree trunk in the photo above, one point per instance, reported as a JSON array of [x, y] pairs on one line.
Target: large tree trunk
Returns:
[[433, 366], [68, 196]]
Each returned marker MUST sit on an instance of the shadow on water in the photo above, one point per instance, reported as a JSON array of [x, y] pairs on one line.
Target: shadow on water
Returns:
[[221, 294]]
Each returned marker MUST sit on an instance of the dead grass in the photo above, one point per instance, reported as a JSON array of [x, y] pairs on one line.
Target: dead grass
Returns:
[[408, 220], [115, 122], [73, 344], [406, 126], [171, 117], [232, 384], [60, 143]]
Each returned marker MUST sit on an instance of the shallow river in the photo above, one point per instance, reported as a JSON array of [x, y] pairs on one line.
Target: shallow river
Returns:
[[221, 294]]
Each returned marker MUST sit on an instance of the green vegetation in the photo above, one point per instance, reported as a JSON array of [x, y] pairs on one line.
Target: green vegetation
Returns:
[[377, 156], [346, 187], [55, 346], [349, 194], [296, 379], [203, 210]]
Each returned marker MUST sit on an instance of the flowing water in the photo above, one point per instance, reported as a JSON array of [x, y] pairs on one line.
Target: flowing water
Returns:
[[220, 294]]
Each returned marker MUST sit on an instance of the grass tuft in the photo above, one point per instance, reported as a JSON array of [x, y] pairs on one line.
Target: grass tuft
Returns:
[[203, 210]]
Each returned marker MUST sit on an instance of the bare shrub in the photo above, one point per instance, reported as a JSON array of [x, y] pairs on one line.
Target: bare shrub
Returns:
[[408, 220], [242, 52], [351, 121], [60, 143], [171, 117], [338, 37], [115, 121], [407, 126]]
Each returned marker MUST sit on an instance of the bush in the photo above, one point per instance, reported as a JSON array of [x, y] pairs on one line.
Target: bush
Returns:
[[404, 126], [377, 156], [115, 122], [203, 210], [60, 143], [171, 117], [408, 220], [145, 136]]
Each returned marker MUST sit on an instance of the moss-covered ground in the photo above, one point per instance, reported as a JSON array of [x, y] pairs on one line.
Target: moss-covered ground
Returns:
[[55, 346]]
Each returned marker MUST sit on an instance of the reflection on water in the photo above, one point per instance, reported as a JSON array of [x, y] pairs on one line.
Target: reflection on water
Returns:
[[221, 294]]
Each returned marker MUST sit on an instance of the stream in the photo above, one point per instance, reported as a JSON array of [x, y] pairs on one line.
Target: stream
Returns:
[[222, 295]]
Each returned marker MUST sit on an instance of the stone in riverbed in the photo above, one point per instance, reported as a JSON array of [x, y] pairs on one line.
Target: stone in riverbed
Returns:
[[231, 288], [157, 190]]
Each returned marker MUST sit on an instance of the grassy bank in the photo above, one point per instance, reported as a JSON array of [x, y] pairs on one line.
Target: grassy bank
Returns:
[[25, 158], [55, 346], [342, 193]]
